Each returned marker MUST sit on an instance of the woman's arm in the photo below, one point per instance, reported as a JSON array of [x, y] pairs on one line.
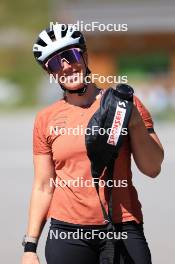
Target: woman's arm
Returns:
[[41, 194], [146, 148], [40, 200]]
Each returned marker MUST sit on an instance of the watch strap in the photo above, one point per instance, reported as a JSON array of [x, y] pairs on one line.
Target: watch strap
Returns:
[[30, 247]]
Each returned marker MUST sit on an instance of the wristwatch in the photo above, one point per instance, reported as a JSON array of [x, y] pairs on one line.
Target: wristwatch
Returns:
[[30, 239]]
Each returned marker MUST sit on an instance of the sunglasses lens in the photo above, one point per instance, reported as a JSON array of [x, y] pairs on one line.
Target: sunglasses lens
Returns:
[[54, 64], [71, 56]]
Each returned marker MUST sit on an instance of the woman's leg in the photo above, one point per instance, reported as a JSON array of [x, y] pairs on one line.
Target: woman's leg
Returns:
[[69, 250], [134, 249]]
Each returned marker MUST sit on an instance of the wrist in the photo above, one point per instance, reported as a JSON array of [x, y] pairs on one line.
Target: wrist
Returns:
[[30, 247], [30, 243]]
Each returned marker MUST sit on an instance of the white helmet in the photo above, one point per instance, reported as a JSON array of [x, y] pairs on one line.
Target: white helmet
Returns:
[[55, 39]]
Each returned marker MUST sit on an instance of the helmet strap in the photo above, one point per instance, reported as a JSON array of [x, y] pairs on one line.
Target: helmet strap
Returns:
[[80, 91]]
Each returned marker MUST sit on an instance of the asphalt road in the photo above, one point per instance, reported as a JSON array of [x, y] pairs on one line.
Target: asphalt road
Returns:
[[156, 195]]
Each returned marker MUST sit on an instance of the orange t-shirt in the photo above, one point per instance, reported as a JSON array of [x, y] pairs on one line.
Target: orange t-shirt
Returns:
[[79, 203]]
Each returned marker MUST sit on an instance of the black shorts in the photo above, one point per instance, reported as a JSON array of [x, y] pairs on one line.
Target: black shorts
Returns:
[[68, 244]]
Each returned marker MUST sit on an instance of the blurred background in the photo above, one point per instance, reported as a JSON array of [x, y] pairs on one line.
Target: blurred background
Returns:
[[145, 54]]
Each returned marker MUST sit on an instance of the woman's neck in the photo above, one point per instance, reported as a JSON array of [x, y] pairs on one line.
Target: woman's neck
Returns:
[[84, 100]]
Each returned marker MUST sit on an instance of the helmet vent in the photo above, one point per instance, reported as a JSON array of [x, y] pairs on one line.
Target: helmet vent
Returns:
[[64, 31], [75, 34], [52, 35], [41, 43], [37, 54]]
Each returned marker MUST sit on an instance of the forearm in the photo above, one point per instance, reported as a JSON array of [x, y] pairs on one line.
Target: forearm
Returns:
[[147, 150], [39, 205]]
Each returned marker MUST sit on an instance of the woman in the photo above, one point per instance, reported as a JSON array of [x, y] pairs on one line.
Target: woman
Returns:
[[62, 52]]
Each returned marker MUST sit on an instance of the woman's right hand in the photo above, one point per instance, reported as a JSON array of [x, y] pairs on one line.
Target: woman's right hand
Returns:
[[30, 258]]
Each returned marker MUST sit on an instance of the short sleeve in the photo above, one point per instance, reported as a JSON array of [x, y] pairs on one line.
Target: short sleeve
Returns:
[[40, 143], [146, 116]]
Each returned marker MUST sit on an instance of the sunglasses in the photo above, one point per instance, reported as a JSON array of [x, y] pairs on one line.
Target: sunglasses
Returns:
[[55, 64]]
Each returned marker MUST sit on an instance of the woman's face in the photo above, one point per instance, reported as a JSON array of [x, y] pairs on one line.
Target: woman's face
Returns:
[[71, 74]]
